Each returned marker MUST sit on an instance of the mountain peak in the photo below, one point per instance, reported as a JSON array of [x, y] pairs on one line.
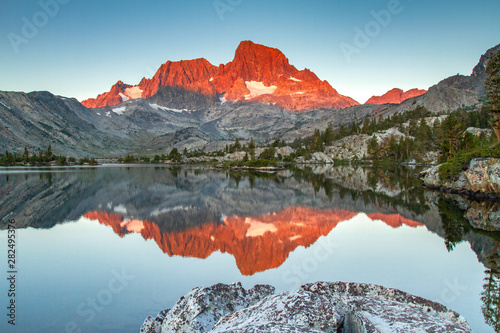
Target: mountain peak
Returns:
[[480, 69], [395, 96], [258, 73]]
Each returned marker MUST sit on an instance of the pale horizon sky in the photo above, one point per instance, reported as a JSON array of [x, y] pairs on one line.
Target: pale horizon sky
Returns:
[[80, 49]]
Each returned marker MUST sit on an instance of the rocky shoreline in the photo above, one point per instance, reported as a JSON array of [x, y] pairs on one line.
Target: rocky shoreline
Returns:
[[314, 307], [481, 180]]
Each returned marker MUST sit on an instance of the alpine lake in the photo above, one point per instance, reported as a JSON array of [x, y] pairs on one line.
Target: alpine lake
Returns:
[[98, 249]]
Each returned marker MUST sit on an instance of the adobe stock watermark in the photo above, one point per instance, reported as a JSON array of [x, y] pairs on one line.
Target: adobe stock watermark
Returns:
[[30, 27], [89, 309], [451, 291], [372, 29], [223, 6], [300, 272]]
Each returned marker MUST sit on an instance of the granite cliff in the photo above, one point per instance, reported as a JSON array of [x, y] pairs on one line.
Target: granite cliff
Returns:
[[257, 74]]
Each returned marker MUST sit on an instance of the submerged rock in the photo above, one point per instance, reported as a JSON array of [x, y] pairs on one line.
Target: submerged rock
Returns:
[[315, 307]]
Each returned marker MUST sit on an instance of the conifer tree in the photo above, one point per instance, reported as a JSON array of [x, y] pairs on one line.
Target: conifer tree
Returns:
[[492, 85]]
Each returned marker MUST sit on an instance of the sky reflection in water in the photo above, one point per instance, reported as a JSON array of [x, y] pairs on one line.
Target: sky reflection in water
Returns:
[[102, 277]]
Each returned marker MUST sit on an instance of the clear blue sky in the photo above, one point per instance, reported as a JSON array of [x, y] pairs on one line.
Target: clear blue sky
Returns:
[[84, 47]]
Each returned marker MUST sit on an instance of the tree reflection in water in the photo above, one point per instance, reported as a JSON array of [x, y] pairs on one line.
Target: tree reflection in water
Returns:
[[491, 291], [456, 227]]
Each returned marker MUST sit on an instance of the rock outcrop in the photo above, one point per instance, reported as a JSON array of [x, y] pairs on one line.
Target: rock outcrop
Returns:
[[481, 177], [395, 96], [257, 74], [314, 307], [356, 146]]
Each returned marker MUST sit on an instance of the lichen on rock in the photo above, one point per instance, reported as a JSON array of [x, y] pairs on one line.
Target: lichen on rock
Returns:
[[482, 176], [314, 307]]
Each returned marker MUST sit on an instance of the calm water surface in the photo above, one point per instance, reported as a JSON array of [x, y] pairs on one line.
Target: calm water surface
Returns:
[[100, 249]]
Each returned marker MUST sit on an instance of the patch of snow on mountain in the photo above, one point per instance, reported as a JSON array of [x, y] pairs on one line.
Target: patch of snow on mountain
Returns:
[[258, 88], [124, 97], [132, 225], [164, 108], [133, 92], [5, 105], [294, 79], [119, 110], [120, 209], [158, 212], [108, 114], [258, 228]]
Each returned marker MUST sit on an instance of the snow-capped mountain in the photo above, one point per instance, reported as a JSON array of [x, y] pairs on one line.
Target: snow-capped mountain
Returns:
[[257, 74]]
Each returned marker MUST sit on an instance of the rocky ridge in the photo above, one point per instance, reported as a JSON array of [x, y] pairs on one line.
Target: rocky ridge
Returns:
[[395, 96], [314, 307], [453, 92], [195, 118], [257, 74]]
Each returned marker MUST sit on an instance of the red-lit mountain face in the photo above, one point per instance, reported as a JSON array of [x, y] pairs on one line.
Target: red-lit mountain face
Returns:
[[257, 74], [258, 243], [395, 96]]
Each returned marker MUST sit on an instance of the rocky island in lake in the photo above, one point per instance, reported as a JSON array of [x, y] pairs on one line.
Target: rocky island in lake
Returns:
[[314, 307]]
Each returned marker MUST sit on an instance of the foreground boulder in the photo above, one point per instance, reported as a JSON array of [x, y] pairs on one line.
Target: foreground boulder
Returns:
[[315, 307], [482, 177]]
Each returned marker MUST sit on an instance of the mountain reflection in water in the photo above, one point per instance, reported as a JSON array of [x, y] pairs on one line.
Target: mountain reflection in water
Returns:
[[269, 223], [258, 243]]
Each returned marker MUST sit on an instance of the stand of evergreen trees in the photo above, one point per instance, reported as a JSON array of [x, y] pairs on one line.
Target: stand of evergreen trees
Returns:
[[41, 158], [448, 137]]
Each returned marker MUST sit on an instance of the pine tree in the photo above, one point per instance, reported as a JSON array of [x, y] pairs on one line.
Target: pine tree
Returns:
[[492, 85], [491, 291], [328, 135], [26, 155], [174, 155], [49, 151], [237, 144], [251, 145], [373, 147], [451, 137]]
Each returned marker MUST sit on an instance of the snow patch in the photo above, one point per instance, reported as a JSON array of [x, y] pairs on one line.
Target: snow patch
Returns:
[[211, 79], [258, 88], [5, 105], [157, 212], [124, 97], [258, 228], [133, 225], [295, 237], [164, 108], [294, 79], [120, 209], [133, 92], [119, 110], [98, 113], [108, 114]]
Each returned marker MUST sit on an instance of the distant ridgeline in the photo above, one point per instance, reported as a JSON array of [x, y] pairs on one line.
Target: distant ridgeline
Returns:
[[195, 107]]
